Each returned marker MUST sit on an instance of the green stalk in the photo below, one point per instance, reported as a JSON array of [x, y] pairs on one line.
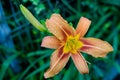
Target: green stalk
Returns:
[[28, 15]]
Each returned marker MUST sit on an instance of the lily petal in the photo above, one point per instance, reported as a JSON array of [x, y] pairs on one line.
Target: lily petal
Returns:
[[55, 30], [83, 26], [80, 63], [58, 62], [50, 42], [62, 24], [96, 47]]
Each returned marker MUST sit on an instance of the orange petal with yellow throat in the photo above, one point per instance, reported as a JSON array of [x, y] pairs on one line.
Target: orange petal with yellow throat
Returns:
[[83, 26], [62, 24], [50, 42], [55, 30], [58, 62], [96, 47], [80, 63]]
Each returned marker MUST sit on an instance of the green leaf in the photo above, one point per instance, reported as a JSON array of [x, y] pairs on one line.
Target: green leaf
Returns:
[[113, 32], [111, 2], [39, 8], [115, 45], [38, 53], [37, 70], [69, 6], [28, 15], [6, 64], [103, 29], [31, 65], [98, 71], [117, 66], [99, 23]]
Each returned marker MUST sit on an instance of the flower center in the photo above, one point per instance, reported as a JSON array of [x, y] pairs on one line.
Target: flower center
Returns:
[[72, 44]]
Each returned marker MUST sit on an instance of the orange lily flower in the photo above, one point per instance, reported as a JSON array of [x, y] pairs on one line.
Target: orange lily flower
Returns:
[[70, 42]]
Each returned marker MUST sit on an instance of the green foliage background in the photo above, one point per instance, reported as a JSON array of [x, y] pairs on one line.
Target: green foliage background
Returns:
[[34, 60]]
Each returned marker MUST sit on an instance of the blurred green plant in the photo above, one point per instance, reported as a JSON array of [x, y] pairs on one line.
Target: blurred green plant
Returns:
[[38, 6]]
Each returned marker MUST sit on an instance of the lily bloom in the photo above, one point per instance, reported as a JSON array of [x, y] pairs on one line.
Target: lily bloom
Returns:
[[69, 42]]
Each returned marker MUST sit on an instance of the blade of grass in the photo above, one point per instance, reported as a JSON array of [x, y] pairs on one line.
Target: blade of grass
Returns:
[[113, 32], [115, 45], [69, 7], [98, 71], [38, 53], [37, 71], [6, 64], [102, 31], [31, 65], [73, 17], [98, 24], [113, 2], [67, 73]]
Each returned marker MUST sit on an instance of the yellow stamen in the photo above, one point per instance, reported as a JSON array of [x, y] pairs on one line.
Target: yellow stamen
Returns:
[[72, 44]]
